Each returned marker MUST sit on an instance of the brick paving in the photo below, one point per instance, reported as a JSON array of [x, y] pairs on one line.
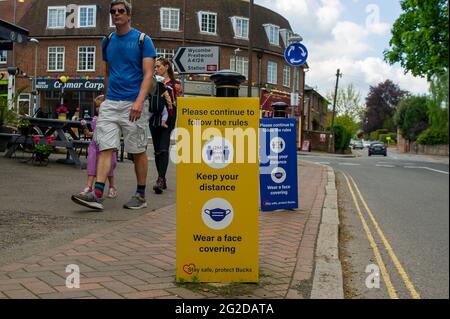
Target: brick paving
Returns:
[[136, 259]]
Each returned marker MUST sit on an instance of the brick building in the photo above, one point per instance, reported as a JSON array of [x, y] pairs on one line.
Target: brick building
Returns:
[[70, 33]]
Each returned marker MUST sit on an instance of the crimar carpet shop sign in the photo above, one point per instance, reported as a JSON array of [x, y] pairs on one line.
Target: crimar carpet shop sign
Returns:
[[72, 84]]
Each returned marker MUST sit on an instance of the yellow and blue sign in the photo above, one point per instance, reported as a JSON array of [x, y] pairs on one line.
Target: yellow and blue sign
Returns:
[[278, 164], [217, 189]]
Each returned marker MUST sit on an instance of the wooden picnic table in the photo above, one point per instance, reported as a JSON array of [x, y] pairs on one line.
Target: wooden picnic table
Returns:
[[59, 130]]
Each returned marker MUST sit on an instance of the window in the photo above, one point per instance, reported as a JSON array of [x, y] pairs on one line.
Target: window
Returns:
[[55, 59], [273, 33], [208, 22], [240, 27], [111, 24], [165, 53], [170, 19], [239, 64], [87, 16], [272, 72], [3, 57], [287, 76], [56, 17], [52, 95], [86, 58]]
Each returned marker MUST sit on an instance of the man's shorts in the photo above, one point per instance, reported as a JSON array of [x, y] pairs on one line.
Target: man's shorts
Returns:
[[113, 122]]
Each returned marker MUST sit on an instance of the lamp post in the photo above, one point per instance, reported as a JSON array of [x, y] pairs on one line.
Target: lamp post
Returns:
[[236, 51], [296, 38], [63, 79], [34, 91]]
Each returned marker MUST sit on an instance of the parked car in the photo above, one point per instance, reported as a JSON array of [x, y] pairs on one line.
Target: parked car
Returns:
[[377, 148], [367, 143], [358, 144]]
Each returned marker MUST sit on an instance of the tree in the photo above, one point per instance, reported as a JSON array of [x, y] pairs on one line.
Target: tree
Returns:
[[420, 38], [411, 116], [380, 105], [348, 102], [438, 102], [348, 123]]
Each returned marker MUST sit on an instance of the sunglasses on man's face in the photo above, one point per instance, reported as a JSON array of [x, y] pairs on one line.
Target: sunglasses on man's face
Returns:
[[120, 11]]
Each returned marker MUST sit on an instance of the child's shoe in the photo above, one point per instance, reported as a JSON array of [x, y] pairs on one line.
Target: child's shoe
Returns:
[[86, 190], [112, 192]]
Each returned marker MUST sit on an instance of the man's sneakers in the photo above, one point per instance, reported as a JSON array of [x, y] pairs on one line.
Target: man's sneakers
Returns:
[[89, 200], [136, 202]]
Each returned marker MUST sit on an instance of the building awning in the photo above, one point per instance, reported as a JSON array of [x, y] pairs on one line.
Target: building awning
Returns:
[[10, 33], [71, 85]]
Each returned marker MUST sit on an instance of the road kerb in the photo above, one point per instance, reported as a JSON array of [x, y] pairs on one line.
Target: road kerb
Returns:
[[327, 280]]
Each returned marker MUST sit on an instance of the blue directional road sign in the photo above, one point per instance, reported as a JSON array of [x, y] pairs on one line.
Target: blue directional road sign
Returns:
[[296, 54]]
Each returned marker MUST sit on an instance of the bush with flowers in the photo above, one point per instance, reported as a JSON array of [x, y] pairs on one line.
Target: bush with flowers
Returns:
[[62, 109], [44, 149]]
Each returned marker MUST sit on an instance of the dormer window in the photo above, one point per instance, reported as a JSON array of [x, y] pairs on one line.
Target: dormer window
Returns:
[[170, 19], [56, 17], [207, 22], [273, 33], [87, 16], [285, 36], [240, 27]]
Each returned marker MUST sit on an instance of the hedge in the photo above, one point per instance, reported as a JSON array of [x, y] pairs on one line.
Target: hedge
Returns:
[[342, 137], [433, 136]]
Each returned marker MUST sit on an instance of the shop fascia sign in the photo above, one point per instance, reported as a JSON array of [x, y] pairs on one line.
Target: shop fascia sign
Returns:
[[79, 85]]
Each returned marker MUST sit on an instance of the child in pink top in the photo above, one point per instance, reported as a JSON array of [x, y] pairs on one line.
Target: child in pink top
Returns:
[[93, 152]]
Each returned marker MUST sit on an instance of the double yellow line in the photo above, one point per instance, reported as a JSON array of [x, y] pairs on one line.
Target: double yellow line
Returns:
[[390, 287]]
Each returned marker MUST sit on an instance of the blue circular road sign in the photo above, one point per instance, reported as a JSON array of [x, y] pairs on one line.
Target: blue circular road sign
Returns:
[[296, 54]]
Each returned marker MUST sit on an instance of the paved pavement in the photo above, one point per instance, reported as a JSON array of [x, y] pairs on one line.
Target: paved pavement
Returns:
[[135, 258]]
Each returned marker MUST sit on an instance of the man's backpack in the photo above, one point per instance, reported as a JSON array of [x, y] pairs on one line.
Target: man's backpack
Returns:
[[109, 36]]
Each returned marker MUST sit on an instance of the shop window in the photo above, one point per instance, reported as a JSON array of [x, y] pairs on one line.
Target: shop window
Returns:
[[87, 16], [53, 95], [170, 19], [86, 59], [24, 103], [3, 57], [56, 17], [207, 22]]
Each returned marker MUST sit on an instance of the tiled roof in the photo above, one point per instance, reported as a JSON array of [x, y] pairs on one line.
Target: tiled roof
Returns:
[[146, 18]]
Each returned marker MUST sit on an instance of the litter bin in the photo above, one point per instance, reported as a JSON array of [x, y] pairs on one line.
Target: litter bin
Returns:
[[227, 83], [279, 109]]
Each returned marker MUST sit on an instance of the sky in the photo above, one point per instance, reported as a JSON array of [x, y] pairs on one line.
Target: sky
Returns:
[[349, 35]]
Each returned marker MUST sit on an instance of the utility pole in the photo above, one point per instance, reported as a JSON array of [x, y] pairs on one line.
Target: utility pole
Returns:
[[330, 144], [250, 50]]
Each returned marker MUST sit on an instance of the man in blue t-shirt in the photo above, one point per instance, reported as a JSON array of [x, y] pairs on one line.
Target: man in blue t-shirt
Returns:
[[128, 79]]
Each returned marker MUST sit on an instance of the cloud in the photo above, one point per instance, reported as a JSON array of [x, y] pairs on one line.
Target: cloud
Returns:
[[291, 8], [328, 14], [337, 37], [373, 23], [361, 73]]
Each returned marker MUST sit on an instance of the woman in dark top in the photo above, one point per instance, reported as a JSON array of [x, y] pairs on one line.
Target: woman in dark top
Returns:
[[160, 134]]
